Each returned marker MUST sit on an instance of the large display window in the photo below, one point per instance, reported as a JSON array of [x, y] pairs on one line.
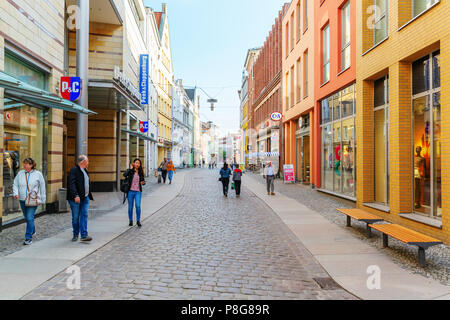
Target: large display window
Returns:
[[339, 143], [426, 101], [25, 136]]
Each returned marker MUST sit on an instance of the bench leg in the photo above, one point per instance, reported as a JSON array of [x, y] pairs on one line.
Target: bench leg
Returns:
[[385, 240], [368, 231], [422, 262], [349, 221]]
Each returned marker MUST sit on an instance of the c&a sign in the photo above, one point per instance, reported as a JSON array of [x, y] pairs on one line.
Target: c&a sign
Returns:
[[70, 88]]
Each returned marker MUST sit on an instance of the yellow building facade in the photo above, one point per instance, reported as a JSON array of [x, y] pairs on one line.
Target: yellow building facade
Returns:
[[403, 119]]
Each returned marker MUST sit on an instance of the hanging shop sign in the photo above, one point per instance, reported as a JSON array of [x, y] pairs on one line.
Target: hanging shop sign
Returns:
[[289, 175], [143, 126], [143, 78], [125, 82], [276, 116], [70, 88]]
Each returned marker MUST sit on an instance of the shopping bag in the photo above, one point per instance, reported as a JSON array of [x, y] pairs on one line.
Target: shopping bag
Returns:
[[232, 186]]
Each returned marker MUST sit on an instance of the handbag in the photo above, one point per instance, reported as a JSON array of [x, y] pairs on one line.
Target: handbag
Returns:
[[233, 186], [220, 179], [32, 197], [124, 186]]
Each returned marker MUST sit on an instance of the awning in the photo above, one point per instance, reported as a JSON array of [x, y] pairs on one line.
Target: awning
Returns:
[[139, 135], [107, 94], [22, 92]]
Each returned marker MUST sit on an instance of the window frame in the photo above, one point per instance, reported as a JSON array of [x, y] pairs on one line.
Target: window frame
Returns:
[[384, 15], [344, 47], [327, 51]]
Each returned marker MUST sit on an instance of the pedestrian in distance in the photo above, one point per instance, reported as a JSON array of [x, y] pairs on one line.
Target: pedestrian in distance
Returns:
[[163, 167], [269, 175], [170, 171], [237, 179], [136, 179], [79, 194], [225, 174], [29, 189]]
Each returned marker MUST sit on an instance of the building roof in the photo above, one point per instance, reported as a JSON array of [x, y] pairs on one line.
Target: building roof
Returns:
[[158, 16], [191, 94]]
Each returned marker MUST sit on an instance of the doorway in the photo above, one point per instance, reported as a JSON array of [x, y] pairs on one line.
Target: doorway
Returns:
[[303, 160]]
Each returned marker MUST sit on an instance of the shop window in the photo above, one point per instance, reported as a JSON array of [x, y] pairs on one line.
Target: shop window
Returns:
[[381, 141], [25, 72], [427, 136], [24, 136], [338, 143]]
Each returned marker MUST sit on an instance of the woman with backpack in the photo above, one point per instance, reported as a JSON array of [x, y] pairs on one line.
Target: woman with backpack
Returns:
[[237, 179], [225, 174], [29, 189], [136, 179]]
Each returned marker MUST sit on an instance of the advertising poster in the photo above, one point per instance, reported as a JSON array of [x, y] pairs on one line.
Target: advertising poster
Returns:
[[289, 174]]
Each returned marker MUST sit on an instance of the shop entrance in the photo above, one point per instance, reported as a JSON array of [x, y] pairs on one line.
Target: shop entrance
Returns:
[[303, 160]]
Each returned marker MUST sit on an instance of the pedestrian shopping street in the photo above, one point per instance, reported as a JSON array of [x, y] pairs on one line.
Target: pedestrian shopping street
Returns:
[[197, 244]]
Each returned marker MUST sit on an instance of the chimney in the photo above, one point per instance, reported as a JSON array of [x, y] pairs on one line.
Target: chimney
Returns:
[[164, 8]]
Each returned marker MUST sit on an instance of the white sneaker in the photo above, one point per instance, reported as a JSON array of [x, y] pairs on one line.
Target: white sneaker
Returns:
[[27, 242]]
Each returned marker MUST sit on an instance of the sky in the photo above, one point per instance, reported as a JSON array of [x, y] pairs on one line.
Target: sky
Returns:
[[210, 40]]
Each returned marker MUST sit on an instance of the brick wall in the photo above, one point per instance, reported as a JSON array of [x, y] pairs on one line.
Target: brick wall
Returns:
[[394, 57]]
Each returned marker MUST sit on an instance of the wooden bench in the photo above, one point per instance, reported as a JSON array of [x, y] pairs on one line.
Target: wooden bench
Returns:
[[407, 236], [361, 215]]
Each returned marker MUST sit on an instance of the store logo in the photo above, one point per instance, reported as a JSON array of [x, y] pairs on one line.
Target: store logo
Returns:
[[276, 116], [70, 88], [143, 126]]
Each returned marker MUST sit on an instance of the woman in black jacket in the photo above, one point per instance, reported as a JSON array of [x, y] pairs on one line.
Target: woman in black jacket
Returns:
[[136, 179]]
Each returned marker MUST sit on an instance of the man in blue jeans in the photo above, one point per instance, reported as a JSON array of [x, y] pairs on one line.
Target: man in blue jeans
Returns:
[[79, 194]]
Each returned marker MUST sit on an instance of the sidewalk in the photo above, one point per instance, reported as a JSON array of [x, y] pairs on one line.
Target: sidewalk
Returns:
[[345, 257], [28, 268]]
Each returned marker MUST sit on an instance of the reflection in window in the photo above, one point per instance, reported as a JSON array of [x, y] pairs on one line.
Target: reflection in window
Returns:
[[420, 6]]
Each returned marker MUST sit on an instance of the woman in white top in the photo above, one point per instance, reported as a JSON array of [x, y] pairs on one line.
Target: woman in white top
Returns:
[[29, 181]]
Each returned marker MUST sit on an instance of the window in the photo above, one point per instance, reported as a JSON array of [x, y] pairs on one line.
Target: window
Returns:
[[305, 15], [420, 6], [326, 54], [287, 91], [339, 143], [287, 39], [292, 85], [345, 36], [305, 74], [292, 32], [298, 21], [299, 80], [380, 30], [381, 141], [427, 135]]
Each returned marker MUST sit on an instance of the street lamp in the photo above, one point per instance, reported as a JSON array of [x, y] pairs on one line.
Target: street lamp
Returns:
[[212, 101]]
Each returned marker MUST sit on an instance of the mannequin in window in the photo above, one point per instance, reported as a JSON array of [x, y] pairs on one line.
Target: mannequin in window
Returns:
[[419, 175]]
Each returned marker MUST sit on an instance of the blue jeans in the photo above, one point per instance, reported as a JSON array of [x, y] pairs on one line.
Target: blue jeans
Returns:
[[80, 217], [170, 175], [28, 213], [134, 197]]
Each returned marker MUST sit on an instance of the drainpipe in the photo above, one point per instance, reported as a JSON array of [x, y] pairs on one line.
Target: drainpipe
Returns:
[[83, 73]]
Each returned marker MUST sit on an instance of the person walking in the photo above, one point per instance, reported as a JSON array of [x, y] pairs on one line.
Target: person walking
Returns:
[[170, 171], [79, 194], [237, 179], [269, 175], [163, 167], [225, 174], [29, 189], [136, 179]]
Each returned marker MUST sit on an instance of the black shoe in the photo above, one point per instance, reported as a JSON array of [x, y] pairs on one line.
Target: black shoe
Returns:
[[28, 242], [75, 239], [139, 224], [87, 239], [131, 224]]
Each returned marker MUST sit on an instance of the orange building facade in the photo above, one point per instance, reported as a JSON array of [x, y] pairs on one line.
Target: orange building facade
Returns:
[[335, 96], [299, 89]]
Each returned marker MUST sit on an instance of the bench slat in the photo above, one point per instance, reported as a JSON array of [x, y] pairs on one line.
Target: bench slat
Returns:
[[403, 234], [359, 214]]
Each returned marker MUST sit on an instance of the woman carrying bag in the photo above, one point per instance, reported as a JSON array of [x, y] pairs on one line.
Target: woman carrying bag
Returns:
[[136, 179], [29, 189]]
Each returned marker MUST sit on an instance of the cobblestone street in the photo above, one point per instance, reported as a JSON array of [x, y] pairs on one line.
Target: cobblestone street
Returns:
[[200, 246]]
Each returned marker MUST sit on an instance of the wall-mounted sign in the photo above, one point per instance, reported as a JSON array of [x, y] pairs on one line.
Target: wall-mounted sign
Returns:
[[125, 82], [70, 88], [143, 126], [143, 78], [276, 116]]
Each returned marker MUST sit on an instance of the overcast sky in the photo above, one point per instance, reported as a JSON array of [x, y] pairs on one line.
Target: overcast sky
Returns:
[[210, 39]]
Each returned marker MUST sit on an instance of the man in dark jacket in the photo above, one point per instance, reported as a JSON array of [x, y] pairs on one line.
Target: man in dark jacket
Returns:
[[78, 195]]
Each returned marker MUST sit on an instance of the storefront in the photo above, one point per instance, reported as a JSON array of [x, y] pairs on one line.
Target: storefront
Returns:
[[26, 107], [303, 150], [268, 144], [338, 150]]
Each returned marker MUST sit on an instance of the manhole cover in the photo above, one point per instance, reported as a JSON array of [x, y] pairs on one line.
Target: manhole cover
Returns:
[[327, 283]]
